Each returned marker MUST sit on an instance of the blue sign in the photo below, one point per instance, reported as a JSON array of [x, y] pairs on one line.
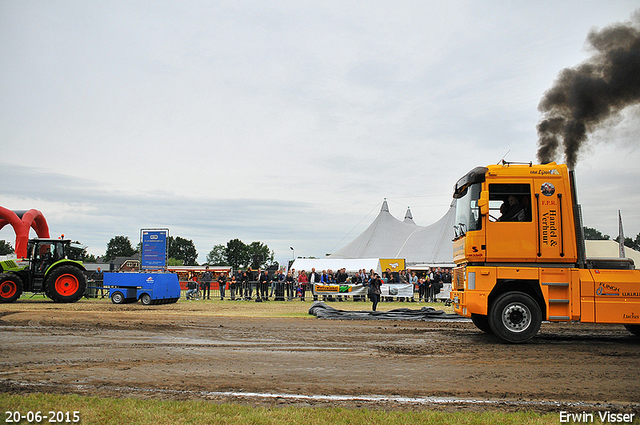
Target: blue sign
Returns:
[[154, 249]]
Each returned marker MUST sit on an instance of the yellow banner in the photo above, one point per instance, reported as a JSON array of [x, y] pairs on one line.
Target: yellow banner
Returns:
[[394, 264], [338, 289]]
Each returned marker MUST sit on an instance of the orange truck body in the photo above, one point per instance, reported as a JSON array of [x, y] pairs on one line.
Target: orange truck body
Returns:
[[520, 256]]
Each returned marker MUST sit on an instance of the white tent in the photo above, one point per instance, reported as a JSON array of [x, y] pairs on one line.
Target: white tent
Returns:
[[610, 249], [388, 237], [351, 265]]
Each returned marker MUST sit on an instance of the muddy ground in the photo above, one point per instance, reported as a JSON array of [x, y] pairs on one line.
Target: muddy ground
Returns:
[[177, 351]]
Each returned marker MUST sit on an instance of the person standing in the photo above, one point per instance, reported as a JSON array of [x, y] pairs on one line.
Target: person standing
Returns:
[[429, 285], [278, 277], [374, 290], [302, 283], [222, 284], [413, 280], [233, 286], [290, 281], [205, 286], [98, 281], [263, 283], [313, 279], [341, 279], [246, 284], [438, 284]]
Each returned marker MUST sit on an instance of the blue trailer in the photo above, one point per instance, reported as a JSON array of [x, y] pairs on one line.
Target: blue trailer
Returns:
[[149, 288]]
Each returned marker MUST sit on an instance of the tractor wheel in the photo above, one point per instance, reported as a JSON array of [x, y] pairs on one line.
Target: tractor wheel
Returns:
[[634, 329], [515, 317], [10, 287], [117, 298], [145, 299], [66, 284], [482, 322]]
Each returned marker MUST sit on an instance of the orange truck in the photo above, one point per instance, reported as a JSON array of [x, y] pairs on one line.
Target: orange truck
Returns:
[[520, 255]]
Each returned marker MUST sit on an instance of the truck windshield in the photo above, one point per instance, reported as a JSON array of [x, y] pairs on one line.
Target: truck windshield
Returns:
[[467, 211]]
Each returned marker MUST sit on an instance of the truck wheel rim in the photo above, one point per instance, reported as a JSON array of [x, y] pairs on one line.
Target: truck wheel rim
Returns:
[[8, 289], [67, 284], [516, 317]]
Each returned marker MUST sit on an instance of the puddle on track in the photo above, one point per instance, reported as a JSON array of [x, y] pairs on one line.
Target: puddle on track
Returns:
[[306, 398]]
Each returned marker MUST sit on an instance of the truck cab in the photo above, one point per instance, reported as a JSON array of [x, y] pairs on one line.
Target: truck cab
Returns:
[[520, 256]]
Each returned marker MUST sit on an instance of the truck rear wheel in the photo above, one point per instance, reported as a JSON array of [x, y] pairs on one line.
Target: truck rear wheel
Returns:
[[10, 287], [634, 329], [515, 317], [482, 322], [66, 284]]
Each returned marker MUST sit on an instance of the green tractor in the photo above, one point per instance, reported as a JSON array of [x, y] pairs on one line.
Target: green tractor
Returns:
[[52, 266]]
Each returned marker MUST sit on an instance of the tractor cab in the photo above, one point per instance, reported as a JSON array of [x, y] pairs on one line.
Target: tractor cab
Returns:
[[44, 253]]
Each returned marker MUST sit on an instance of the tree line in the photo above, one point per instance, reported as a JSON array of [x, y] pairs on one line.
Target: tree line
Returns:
[[594, 234], [182, 252]]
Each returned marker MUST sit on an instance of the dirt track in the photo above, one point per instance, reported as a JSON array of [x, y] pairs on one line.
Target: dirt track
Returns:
[[176, 351]]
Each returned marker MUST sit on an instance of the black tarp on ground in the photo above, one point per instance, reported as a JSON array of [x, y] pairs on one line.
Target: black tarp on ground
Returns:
[[323, 311]]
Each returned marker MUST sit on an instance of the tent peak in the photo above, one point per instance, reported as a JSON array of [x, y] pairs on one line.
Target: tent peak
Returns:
[[385, 206], [408, 217]]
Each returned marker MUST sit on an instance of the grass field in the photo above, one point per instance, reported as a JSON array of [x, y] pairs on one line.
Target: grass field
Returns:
[[215, 307], [105, 411]]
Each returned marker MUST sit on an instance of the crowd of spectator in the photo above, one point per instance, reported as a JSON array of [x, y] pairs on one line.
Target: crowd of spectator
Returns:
[[299, 285]]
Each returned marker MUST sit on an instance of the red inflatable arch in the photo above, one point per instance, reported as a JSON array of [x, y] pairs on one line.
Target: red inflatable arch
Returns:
[[22, 221]]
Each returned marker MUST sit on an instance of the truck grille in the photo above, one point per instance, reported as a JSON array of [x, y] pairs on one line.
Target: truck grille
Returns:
[[458, 279]]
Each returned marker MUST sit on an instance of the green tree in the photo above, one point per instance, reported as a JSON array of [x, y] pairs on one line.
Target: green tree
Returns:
[[594, 235], [174, 262], [237, 253], [182, 249], [631, 243], [217, 256], [119, 246], [260, 255], [5, 248]]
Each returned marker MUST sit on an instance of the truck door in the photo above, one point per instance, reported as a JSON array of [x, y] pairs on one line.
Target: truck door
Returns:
[[511, 232]]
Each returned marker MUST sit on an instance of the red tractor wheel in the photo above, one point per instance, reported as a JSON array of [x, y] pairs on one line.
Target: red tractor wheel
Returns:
[[66, 284], [10, 287]]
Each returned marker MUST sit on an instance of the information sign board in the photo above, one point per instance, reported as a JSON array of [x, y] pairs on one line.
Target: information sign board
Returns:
[[154, 249]]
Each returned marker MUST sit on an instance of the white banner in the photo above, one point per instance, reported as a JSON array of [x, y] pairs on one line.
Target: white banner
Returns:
[[387, 290]]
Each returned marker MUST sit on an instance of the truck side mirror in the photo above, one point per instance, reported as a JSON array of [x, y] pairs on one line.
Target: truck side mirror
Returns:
[[483, 203]]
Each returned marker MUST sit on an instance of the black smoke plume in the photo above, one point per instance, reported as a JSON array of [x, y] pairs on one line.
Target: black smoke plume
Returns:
[[584, 97]]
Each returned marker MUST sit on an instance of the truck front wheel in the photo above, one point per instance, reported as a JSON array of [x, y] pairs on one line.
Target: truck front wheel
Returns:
[[66, 284], [10, 287], [482, 322], [515, 317]]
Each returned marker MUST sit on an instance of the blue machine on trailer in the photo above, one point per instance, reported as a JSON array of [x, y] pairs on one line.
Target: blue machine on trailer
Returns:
[[149, 288]]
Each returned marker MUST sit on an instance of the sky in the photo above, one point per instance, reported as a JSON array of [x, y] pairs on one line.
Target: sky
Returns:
[[286, 122]]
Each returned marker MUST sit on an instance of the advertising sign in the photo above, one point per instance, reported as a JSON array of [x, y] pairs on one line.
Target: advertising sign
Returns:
[[154, 249], [387, 290], [394, 264]]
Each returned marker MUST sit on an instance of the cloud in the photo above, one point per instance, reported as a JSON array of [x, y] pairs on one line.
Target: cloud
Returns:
[[92, 212]]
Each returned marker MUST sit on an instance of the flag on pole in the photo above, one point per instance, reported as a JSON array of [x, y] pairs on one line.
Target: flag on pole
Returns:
[[620, 235]]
